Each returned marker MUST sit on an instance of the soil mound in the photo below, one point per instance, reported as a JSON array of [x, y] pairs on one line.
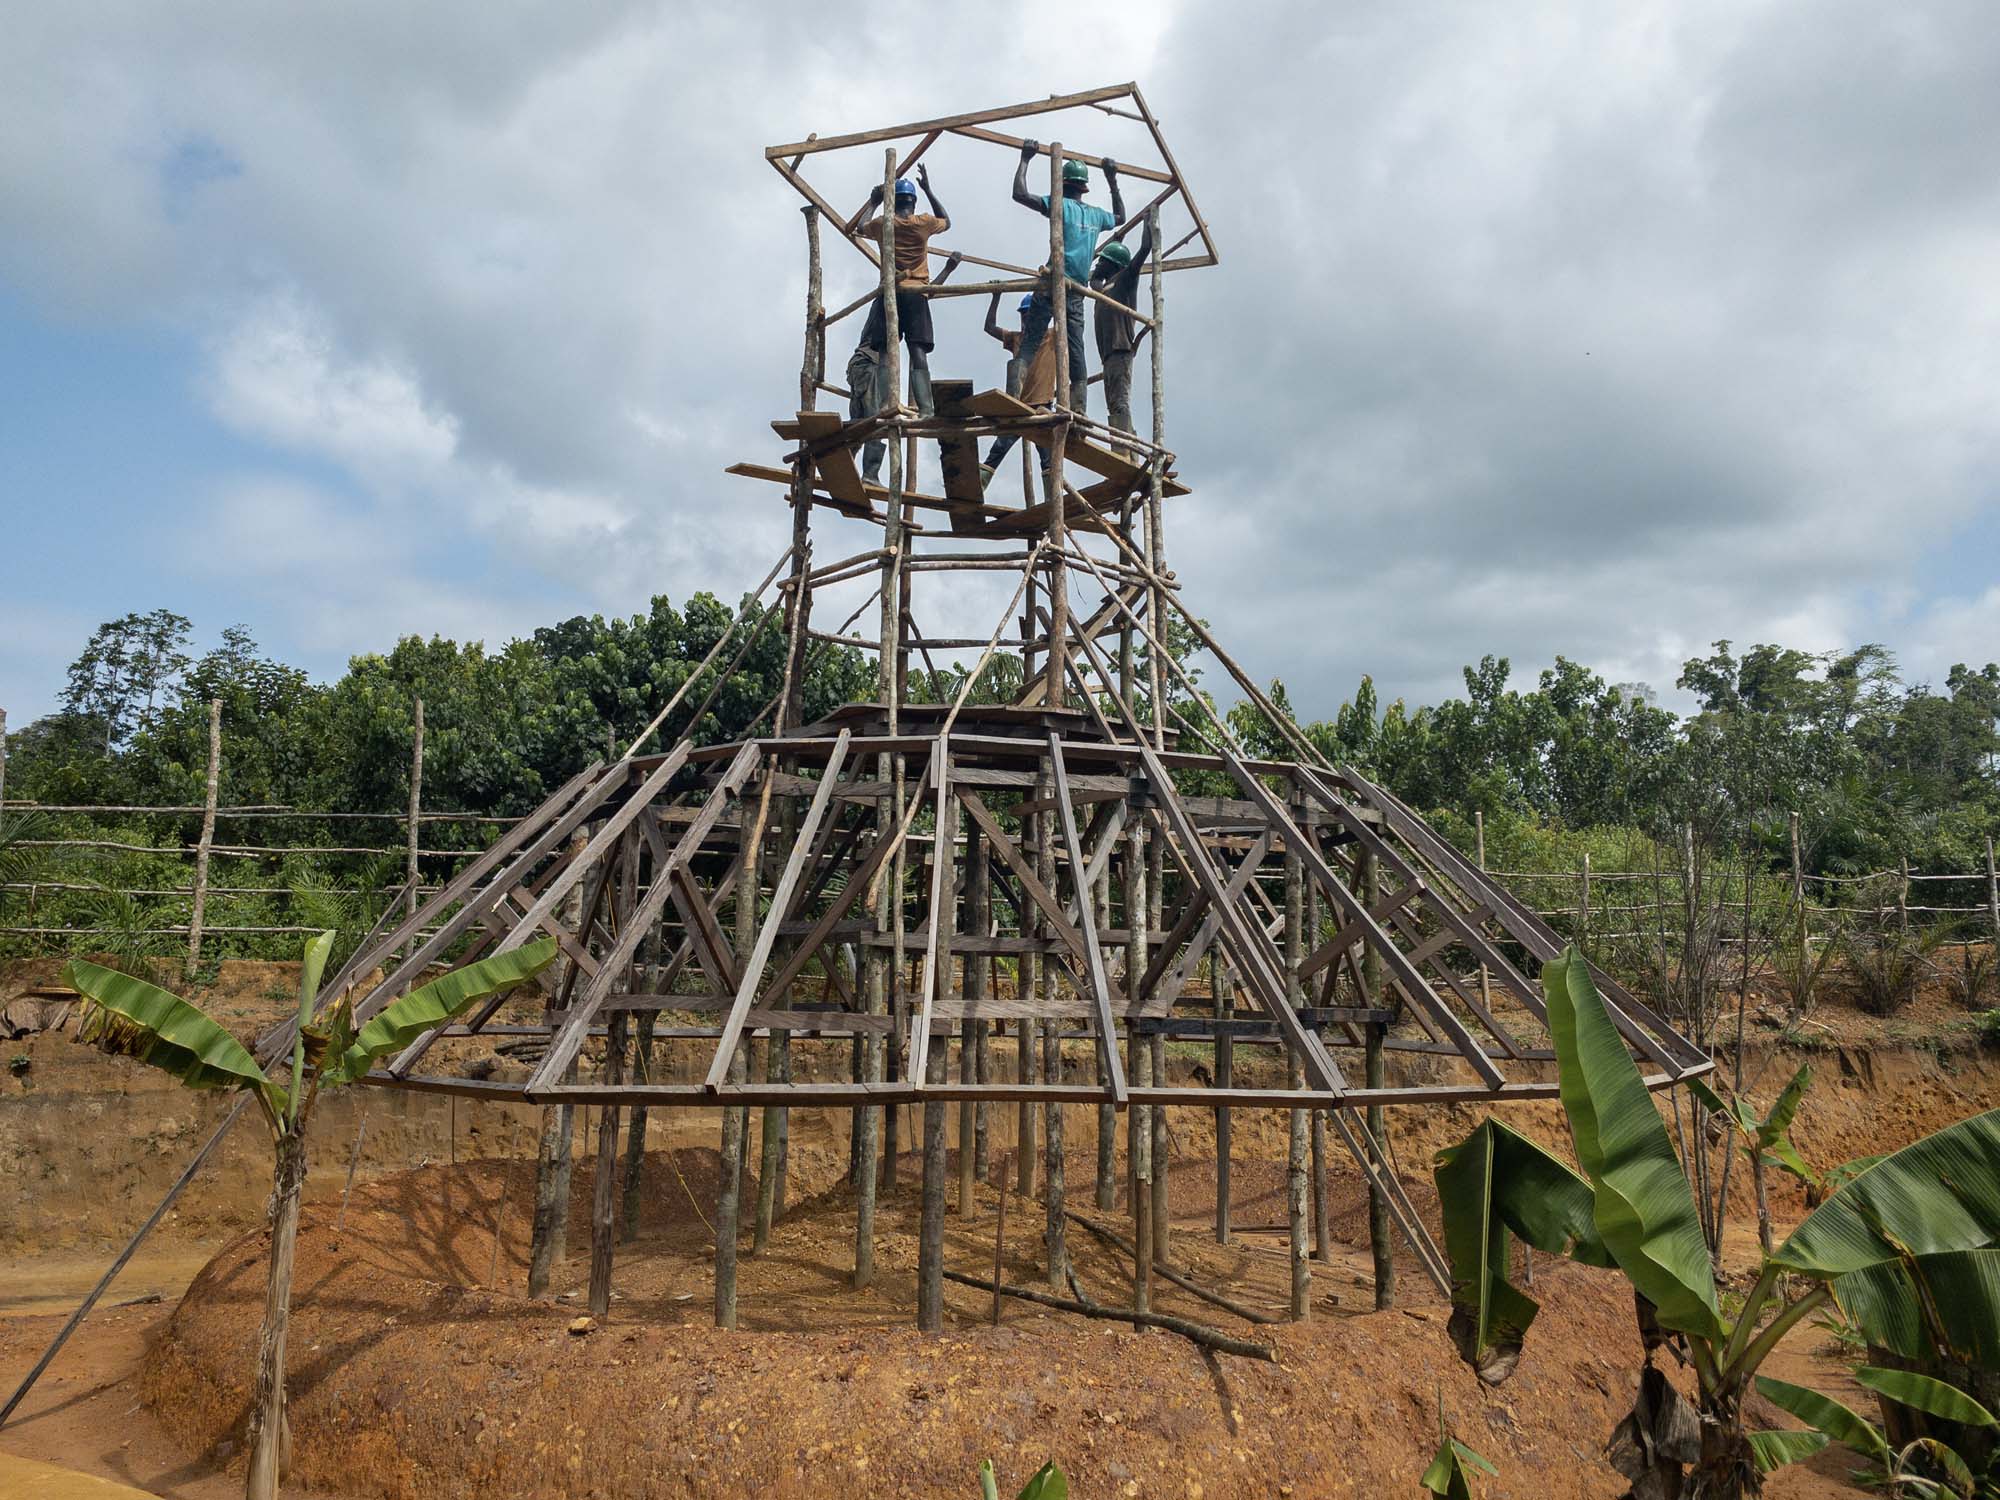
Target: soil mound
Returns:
[[419, 1371]]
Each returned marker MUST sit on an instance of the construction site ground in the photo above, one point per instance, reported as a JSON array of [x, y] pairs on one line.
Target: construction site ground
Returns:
[[420, 1369]]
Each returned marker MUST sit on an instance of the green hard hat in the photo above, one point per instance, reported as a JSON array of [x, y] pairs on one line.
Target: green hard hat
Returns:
[[1075, 171], [1117, 252]]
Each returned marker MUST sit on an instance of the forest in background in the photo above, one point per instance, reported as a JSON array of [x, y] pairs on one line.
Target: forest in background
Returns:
[[1877, 770]]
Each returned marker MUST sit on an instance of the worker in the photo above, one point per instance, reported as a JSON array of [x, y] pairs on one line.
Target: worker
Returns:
[[1116, 274], [867, 371], [1030, 385], [1082, 223]]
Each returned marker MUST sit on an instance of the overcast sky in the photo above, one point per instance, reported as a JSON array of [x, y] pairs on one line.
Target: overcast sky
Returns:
[[1546, 328]]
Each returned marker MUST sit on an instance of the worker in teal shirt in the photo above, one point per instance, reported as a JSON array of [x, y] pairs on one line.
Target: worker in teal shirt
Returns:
[[1082, 224]]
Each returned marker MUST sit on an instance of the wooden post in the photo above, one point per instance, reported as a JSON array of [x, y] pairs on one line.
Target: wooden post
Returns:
[[1156, 545], [1993, 895], [1903, 897], [736, 1117], [999, 1245], [1138, 1117], [1322, 1209], [1381, 1241], [1055, 1242], [1800, 929], [1106, 1186], [624, 882], [412, 824], [3, 762], [1225, 1078], [1583, 903], [1056, 483], [930, 1234], [207, 843], [555, 1152], [1295, 1159], [978, 970]]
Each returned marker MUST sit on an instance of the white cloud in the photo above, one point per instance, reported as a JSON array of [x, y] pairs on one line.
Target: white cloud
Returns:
[[1607, 331]]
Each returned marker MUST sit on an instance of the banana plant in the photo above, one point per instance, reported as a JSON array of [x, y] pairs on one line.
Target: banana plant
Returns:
[[1925, 1468], [126, 1016], [1047, 1483], [1450, 1473], [1766, 1142], [1908, 1248]]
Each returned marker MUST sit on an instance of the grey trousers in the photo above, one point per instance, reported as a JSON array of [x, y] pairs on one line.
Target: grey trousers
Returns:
[[868, 393], [1118, 389]]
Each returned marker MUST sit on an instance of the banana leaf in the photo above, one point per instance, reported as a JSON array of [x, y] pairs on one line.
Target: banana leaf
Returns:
[[398, 1024], [1843, 1424], [1492, 1185], [1773, 1450], [1893, 1242], [1448, 1474], [1930, 1306], [1908, 1388], [1644, 1211], [128, 1017], [1047, 1483], [311, 969]]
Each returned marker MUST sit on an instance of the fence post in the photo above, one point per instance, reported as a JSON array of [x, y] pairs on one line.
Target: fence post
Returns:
[[201, 850], [1993, 895], [3, 760], [416, 809], [1799, 914], [1583, 908], [1903, 897]]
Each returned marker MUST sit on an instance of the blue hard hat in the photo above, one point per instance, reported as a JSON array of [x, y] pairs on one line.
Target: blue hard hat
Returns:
[[905, 188], [1026, 303]]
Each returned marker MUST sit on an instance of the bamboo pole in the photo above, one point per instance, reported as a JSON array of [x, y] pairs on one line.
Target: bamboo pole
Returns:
[[1225, 1078], [1055, 1234], [1156, 546], [1381, 1244], [1295, 1159], [1479, 839], [202, 849], [1139, 1118]]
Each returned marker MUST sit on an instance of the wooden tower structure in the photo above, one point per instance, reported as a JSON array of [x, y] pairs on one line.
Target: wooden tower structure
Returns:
[[1006, 905]]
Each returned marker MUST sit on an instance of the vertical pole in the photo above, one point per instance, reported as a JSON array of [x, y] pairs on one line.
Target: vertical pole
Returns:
[[1295, 1159], [1583, 903], [1055, 1242], [201, 850], [1029, 983], [1057, 485], [415, 819], [1156, 545], [1322, 1209], [603, 1225], [1138, 918], [554, 1154], [1799, 910], [1225, 1078], [888, 634], [1138, 1117], [930, 1235], [1993, 895], [978, 970], [3, 761], [1106, 1194], [1381, 1244], [736, 1117], [1903, 897]]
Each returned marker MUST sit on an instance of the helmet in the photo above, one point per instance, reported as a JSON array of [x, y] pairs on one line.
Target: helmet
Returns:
[[1076, 171], [905, 188], [1026, 303], [1117, 252]]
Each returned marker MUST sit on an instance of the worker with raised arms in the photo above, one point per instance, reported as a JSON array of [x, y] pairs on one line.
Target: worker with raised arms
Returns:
[[866, 371], [1082, 223]]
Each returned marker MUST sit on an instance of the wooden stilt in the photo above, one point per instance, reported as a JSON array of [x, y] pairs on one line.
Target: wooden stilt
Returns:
[[1225, 1078], [1295, 1159]]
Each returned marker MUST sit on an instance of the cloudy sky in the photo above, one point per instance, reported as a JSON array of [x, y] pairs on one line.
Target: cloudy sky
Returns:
[[1541, 328]]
